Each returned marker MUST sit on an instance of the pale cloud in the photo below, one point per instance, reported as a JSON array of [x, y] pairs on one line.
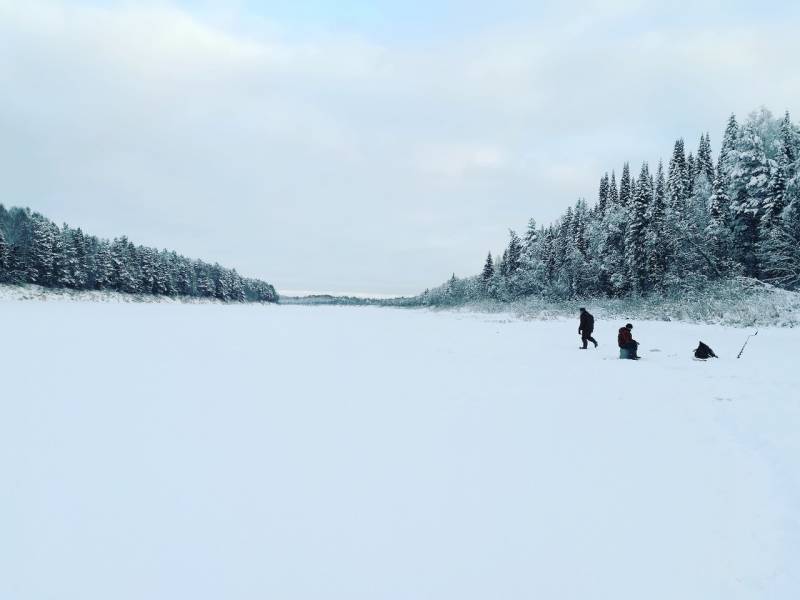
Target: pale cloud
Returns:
[[456, 160], [340, 160]]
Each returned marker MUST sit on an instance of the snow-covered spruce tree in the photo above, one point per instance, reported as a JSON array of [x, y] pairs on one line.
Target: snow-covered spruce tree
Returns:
[[78, 266], [205, 283], [502, 264], [513, 253], [4, 255], [612, 278], [488, 269], [579, 224], [123, 277], [697, 220], [562, 282], [613, 194], [496, 286], [705, 163], [655, 236], [625, 186], [718, 232], [780, 224], [548, 254], [691, 172], [531, 277], [783, 249], [676, 219], [727, 151], [63, 258], [602, 194], [531, 235], [577, 257], [162, 281], [749, 190], [184, 281], [636, 234], [221, 285], [781, 171], [103, 268], [236, 286], [41, 257]]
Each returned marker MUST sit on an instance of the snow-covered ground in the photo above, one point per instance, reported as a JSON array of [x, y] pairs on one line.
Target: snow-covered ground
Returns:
[[166, 451]]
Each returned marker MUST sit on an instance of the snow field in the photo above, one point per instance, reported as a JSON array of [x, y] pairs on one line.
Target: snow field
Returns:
[[207, 451]]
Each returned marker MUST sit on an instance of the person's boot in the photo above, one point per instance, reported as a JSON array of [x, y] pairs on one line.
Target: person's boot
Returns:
[[595, 344]]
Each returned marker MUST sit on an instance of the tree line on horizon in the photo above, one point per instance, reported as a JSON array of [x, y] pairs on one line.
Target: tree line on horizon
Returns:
[[665, 230], [33, 249]]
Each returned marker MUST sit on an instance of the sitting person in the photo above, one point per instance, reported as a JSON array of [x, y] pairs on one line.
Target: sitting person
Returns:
[[626, 342], [704, 352]]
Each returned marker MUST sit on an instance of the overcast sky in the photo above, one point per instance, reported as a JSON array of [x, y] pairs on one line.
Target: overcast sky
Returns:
[[362, 146]]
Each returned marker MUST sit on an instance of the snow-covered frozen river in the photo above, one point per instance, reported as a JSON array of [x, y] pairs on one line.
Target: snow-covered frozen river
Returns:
[[249, 452]]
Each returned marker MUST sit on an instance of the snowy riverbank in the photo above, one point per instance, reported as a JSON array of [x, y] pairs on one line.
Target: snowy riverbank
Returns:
[[37, 292], [745, 303]]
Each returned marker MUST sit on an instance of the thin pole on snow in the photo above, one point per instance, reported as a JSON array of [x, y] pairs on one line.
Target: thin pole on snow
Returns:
[[745, 343]]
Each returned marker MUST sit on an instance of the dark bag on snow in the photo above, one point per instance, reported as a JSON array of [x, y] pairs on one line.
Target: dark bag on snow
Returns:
[[703, 352]]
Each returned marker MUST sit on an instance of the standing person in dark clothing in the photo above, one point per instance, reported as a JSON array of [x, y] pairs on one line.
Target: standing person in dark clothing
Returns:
[[626, 342], [586, 328]]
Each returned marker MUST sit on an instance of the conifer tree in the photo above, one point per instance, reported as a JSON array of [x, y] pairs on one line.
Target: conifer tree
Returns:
[[4, 255], [80, 274], [727, 151], [503, 266], [41, 257], [613, 195], [705, 164], [625, 186], [488, 269], [513, 253], [531, 234], [602, 196], [577, 258], [64, 258], [749, 191], [719, 227], [579, 224], [655, 238], [676, 202], [103, 268], [691, 173], [635, 242]]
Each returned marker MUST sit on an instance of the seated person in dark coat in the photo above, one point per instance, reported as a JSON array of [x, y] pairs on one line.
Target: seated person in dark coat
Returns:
[[626, 341]]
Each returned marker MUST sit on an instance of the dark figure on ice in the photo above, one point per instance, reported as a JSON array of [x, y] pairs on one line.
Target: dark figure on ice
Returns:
[[703, 352], [627, 345], [586, 328]]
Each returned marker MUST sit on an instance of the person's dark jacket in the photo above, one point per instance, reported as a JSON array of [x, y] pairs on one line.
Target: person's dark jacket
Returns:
[[624, 337], [587, 323]]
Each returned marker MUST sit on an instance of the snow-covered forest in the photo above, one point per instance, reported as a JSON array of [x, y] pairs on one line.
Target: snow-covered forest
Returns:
[[664, 231], [33, 249]]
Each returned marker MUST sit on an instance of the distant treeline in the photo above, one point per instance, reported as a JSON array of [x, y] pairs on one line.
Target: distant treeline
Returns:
[[329, 299], [33, 249], [678, 229]]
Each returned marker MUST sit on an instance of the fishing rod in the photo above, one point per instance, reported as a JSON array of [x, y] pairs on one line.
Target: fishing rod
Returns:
[[745, 343]]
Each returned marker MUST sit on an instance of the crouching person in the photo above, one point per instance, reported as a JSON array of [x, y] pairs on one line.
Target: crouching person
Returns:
[[628, 347]]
